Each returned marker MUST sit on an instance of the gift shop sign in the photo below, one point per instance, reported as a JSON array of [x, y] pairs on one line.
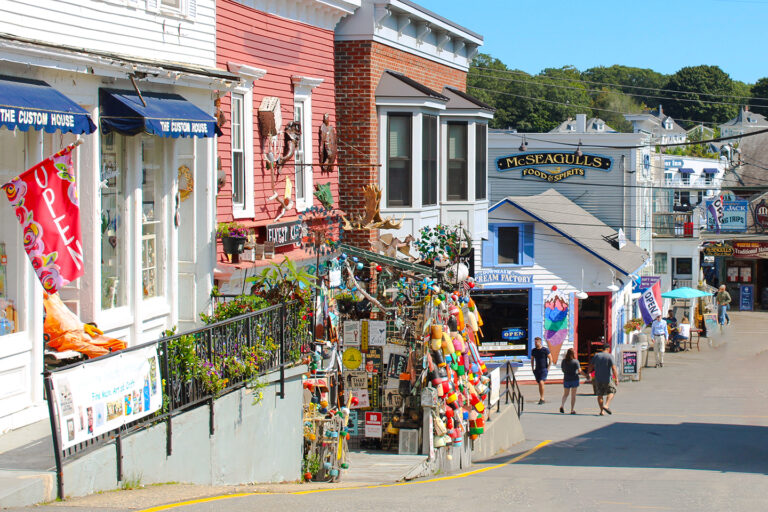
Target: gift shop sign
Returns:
[[553, 166], [285, 233]]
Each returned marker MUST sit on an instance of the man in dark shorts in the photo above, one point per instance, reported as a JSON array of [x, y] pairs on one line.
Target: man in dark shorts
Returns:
[[540, 359], [603, 365]]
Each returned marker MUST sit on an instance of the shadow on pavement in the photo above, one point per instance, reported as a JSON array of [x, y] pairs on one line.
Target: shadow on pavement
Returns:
[[698, 446]]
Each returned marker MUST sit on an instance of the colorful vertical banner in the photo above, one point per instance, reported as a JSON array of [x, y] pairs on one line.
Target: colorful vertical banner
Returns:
[[650, 303], [555, 321], [46, 204], [716, 213]]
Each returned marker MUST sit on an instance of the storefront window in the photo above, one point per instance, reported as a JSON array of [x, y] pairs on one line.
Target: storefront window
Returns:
[[114, 283], [151, 216], [480, 162], [12, 255], [683, 266]]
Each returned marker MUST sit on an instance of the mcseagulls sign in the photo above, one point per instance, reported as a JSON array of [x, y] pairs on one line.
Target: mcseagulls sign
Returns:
[[553, 166]]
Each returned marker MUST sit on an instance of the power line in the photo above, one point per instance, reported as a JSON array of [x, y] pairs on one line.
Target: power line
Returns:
[[620, 85], [599, 91], [622, 186]]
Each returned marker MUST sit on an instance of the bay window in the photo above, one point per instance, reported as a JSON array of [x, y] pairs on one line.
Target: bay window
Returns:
[[428, 160], [399, 160], [457, 162], [480, 160]]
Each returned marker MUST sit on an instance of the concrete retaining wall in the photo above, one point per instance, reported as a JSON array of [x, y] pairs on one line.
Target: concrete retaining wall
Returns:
[[251, 443], [502, 432]]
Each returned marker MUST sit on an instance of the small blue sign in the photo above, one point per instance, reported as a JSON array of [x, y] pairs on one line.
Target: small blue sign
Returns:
[[513, 334], [747, 297], [673, 163]]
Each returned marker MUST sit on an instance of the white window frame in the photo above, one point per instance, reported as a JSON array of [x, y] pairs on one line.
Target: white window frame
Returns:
[[302, 93], [186, 8], [245, 209]]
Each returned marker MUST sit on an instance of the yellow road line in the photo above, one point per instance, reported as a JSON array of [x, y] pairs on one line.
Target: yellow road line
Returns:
[[379, 486]]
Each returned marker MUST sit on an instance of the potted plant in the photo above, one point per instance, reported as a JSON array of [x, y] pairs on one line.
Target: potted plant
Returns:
[[232, 235]]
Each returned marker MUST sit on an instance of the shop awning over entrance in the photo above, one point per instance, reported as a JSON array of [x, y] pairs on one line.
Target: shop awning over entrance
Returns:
[[165, 115], [26, 104]]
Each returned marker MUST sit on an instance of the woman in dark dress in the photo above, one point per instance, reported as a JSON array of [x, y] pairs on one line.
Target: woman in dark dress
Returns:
[[571, 370]]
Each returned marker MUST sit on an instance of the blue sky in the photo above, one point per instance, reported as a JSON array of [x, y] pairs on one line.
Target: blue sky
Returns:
[[664, 35]]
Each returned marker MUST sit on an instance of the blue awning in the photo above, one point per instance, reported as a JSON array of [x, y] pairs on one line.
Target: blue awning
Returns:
[[710, 170], [26, 104], [685, 170], [166, 115]]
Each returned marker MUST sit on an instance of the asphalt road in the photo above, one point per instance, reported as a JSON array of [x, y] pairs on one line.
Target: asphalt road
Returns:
[[692, 435]]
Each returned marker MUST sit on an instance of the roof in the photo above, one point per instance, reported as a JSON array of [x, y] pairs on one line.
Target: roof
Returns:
[[438, 17], [748, 119], [580, 227], [397, 85], [565, 126], [751, 172], [461, 100]]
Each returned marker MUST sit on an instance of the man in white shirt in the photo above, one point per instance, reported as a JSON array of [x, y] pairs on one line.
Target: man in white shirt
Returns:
[[659, 333]]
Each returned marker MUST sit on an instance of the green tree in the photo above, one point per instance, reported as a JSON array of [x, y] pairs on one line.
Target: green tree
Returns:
[[607, 105], [690, 82], [626, 76], [760, 90]]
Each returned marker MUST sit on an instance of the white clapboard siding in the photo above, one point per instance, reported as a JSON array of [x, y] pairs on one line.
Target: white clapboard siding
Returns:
[[134, 28]]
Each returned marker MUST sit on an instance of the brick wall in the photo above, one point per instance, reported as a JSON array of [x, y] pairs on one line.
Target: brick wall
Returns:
[[358, 68]]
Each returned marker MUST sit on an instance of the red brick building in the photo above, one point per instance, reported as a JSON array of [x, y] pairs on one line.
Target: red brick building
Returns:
[[283, 52], [405, 122]]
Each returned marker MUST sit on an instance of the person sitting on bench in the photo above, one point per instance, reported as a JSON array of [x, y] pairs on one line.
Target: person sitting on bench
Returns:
[[682, 336]]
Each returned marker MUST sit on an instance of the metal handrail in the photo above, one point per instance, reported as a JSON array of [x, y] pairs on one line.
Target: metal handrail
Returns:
[[218, 340]]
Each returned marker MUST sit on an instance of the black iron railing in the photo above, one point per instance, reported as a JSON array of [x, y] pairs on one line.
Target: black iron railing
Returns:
[[277, 335], [510, 391]]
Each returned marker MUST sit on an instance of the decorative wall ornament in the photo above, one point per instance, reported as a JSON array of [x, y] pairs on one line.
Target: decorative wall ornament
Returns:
[[186, 183], [388, 245], [218, 114], [291, 141], [324, 195], [327, 144], [372, 218]]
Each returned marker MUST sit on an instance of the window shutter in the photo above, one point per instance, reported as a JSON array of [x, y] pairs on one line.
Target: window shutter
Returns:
[[527, 234], [488, 248], [152, 5], [536, 319], [191, 8]]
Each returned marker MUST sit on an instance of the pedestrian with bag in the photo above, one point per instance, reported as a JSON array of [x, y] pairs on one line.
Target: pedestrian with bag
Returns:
[[723, 299], [660, 336], [603, 365], [540, 360], [571, 371]]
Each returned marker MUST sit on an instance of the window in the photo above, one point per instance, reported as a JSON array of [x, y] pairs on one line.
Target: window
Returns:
[[114, 214], [708, 178], [238, 157], [660, 262], [399, 160], [686, 178], [171, 4], [152, 217], [428, 160], [508, 245], [683, 266], [480, 161], [457, 162], [299, 155]]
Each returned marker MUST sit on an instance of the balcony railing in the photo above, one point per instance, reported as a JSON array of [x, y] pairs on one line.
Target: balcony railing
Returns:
[[674, 225]]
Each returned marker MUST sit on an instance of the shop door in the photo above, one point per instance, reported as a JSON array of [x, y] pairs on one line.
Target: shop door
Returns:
[[591, 324]]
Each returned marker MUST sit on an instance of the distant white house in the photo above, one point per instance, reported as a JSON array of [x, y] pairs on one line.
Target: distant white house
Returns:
[[583, 125], [661, 127], [745, 121]]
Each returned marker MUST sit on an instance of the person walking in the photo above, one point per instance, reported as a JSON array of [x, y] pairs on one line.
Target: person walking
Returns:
[[723, 299], [603, 365], [540, 359], [660, 336], [571, 370]]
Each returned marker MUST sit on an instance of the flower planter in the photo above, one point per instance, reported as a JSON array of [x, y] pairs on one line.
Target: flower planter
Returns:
[[233, 247]]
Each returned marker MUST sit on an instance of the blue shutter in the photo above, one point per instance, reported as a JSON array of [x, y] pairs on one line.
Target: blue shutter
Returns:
[[488, 247], [527, 235], [535, 316]]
